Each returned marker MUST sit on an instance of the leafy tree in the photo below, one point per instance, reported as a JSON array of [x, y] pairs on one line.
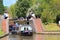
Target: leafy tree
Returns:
[[5, 7], [1, 7], [22, 8], [12, 11], [47, 9]]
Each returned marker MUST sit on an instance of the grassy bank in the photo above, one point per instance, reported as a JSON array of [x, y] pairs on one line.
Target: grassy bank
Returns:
[[51, 27], [1, 33]]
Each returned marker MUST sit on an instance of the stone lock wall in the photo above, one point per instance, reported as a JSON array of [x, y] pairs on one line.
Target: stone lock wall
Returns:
[[5, 26]]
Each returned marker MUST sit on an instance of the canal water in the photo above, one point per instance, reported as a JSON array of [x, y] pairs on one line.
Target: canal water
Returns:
[[34, 37]]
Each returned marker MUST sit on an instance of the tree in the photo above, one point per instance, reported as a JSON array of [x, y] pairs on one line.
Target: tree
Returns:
[[22, 8], [1, 7], [51, 8], [5, 7], [46, 10], [12, 11]]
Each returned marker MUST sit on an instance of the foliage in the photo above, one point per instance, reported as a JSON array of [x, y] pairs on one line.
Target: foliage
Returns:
[[1, 7], [47, 9], [22, 8], [12, 11], [5, 7]]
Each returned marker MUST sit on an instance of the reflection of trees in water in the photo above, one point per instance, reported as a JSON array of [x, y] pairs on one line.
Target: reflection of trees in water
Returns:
[[27, 38], [14, 37], [18, 37], [34, 37]]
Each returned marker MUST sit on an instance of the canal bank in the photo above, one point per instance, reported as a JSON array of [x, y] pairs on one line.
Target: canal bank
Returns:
[[4, 35]]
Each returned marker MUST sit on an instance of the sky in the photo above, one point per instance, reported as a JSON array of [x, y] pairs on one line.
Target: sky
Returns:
[[8, 2]]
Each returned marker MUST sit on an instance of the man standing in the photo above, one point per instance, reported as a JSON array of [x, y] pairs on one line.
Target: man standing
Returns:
[[17, 26]]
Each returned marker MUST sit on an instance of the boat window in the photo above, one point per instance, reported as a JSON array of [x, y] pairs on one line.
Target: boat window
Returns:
[[22, 28], [26, 28], [30, 28]]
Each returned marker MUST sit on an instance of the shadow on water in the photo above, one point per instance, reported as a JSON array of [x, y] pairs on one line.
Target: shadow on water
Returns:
[[34, 37]]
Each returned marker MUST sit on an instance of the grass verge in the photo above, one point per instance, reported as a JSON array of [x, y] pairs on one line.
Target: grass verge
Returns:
[[1, 33], [51, 27]]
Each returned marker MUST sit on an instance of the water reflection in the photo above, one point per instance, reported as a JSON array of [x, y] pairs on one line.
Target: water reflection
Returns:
[[5, 38], [38, 37], [26, 38], [34, 37], [52, 37], [16, 37]]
